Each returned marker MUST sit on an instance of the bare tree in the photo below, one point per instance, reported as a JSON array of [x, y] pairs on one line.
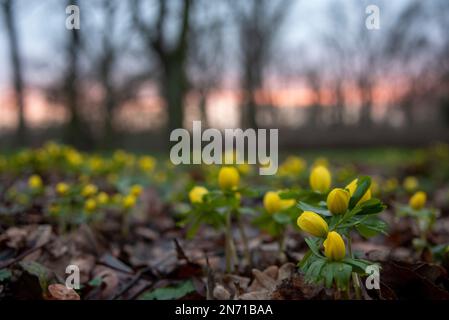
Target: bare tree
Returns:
[[8, 8], [258, 23], [206, 58], [172, 57]]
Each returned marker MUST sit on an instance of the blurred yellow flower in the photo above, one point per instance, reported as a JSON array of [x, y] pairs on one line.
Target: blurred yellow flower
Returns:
[[338, 201], [272, 202], [129, 201], [102, 198], [410, 184], [312, 223], [352, 187], [136, 190], [35, 182], [334, 246], [62, 188], [197, 193], [228, 178], [418, 200], [90, 205], [147, 163], [292, 166], [320, 179], [89, 190]]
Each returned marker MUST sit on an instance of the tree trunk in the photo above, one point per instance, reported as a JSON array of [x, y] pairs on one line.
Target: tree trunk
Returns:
[[8, 11]]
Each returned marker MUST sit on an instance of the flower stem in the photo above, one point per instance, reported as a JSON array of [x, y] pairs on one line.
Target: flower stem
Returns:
[[355, 276], [246, 251]]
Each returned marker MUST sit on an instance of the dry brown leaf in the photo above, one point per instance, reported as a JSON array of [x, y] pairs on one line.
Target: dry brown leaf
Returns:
[[61, 292]]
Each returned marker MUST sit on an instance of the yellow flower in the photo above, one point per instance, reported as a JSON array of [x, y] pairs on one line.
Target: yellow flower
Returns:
[[102, 198], [62, 188], [136, 190], [292, 166], [418, 200], [197, 193], [334, 246], [320, 179], [353, 186], [228, 178], [90, 205], [272, 202], [312, 223], [89, 190], [410, 184], [338, 201], [129, 201], [35, 182], [147, 163]]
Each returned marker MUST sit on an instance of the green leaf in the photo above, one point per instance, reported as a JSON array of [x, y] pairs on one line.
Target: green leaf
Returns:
[[342, 274], [281, 218], [372, 226], [314, 246], [38, 270], [95, 282], [363, 184], [320, 210], [5, 274], [169, 293]]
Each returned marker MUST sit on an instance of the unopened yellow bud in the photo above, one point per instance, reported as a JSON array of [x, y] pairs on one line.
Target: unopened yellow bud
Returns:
[[338, 201], [103, 198], [411, 184], [353, 186], [35, 182], [129, 201], [272, 202], [136, 190], [89, 190], [312, 223], [228, 178], [90, 205], [320, 179], [418, 200], [62, 188], [197, 193], [334, 246]]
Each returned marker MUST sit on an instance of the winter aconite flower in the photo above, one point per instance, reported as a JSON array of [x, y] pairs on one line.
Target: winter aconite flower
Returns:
[[320, 179], [102, 198], [410, 184], [334, 246], [35, 182], [228, 178], [197, 193], [312, 223], [136, 190], [89, 190], [338, 201], [418, 200], [90, 205], [272, 202], [353, 186], [129, 201], [62, 188]]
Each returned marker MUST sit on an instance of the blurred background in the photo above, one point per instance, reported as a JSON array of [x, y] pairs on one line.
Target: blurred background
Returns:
[[137, 69]]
